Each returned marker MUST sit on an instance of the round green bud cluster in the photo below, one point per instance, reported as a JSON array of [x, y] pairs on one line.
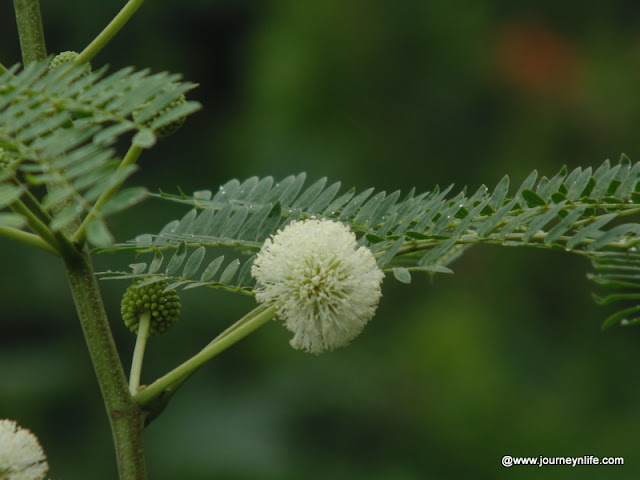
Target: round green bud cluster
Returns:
[[170, 128], [164, 306], [66, 57]]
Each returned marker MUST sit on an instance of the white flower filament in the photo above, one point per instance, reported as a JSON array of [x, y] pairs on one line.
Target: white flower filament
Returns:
[[326, 288]]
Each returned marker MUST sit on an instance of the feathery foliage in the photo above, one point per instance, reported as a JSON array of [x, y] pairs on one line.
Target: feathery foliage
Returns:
[[619, 274], [214, 242], [58, 127]]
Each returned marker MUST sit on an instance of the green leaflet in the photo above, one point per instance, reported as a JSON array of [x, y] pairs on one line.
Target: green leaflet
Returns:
[[533, 199], [156, 263], [564, 225], [12, 220], [229, 272], [178, 258], [323, 200], [402, 274], [212, 269], [98, 233], [547, 189], [9, 193], [310, 194], [193, 263], [124, 199]]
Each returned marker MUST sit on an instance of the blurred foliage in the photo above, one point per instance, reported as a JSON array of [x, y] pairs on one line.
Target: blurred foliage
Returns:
[[504, 357]]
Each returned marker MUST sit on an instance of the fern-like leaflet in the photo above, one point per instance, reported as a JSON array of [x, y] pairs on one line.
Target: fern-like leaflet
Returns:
[[57, 128], [214, 242]]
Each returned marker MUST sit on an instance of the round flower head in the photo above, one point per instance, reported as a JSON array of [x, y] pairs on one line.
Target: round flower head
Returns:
[[21, 456], [162, 304], [325, 287]]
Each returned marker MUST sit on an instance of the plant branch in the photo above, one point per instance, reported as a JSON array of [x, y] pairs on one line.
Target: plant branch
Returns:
[[129, 159], [34, 206], [38, 221], [109, 31], [28, 239], [536, 241], [36, 224], [138, 352], [624, 210], [157, 404], [125, 417], [30, 30], [243, 327]]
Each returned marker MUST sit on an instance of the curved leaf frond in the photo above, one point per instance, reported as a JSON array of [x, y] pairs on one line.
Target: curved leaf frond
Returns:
[[57, 128], [578, 212], [618, 274]]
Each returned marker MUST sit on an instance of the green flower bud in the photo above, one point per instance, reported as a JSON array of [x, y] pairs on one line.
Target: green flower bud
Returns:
[[66, 57], [164, 306], [170, 128]]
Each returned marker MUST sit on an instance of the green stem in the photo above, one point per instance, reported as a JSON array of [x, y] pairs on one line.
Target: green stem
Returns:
[[138, 352], [129, 159], [168, 391], [36, 224], [109, 32], [3, 69], [125, 417], [243, 327], [28, 239], [37, 219], [30, 30], [249, 317], [537, 240], [33, 204], [624, 211]]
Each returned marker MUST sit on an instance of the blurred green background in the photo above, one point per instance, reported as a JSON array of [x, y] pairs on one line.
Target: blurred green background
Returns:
[[504, 357]]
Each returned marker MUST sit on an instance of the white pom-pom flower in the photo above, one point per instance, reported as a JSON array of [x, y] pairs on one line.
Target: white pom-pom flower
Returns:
[[21, 456], [325, 287]]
